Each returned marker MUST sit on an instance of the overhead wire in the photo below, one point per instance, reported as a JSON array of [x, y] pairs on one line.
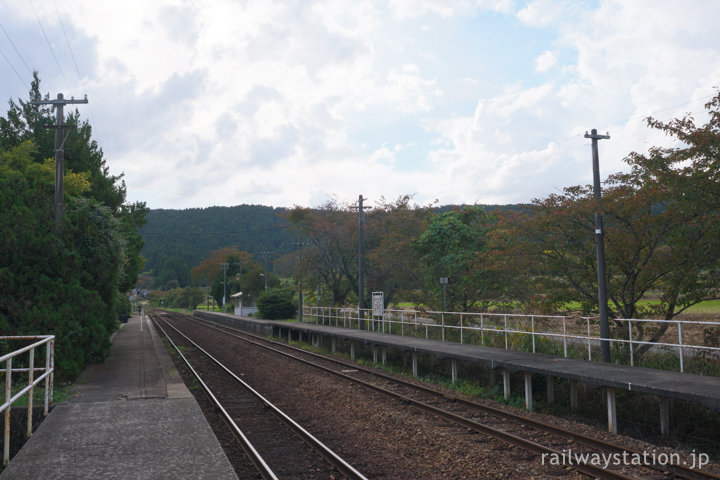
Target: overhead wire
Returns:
[[259, 229], [67, 40], [16, 49], [77, 69], [52, 50], [14, 70]]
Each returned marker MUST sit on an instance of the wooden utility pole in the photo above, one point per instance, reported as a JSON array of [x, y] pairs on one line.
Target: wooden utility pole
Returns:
[[264, 255], [60, 138], [361, 281], [600, 247], [300, 244]]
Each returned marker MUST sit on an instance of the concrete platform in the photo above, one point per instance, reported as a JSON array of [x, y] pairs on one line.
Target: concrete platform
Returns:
[[129, 417]]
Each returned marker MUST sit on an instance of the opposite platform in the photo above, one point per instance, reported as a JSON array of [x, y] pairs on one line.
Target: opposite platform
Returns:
[[704, 390], [129, 417]]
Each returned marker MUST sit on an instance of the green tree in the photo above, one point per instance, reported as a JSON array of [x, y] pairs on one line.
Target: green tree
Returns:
[[243, 274], [452, 247], [330, 256], [393, 265], [172, 272], [662, 234]]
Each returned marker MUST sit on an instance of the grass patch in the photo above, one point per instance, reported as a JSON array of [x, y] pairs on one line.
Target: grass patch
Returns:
[[60, 394]]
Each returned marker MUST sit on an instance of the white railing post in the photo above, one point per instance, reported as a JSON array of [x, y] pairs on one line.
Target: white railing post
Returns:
[[589, 350], [632, 350], [31, 377], [565, 336], [461, 330], [442, 321], [47, 379], [52, 370], [532, 329], [482, 331], [8, 395], [506, 332], [680, 342]]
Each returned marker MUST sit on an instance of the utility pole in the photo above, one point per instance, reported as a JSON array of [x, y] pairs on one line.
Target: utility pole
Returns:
[[300, 293], [225, 266], [60, 138], [361, 283], [265, 254], [600, 247]]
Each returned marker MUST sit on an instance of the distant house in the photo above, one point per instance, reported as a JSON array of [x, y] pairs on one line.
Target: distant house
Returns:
[[244, 305]]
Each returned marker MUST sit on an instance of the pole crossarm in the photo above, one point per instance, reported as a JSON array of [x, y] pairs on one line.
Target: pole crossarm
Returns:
[[595, 135], [60, 137]]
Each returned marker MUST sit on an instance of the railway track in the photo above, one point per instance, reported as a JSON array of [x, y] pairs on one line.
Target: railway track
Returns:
[[543, 439], [276, 445]]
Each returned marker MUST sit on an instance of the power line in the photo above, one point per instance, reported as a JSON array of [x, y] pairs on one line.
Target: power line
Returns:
[[67, 40], [259, 229], [13, 69], [16, 50], [52, 51], [77, 70]]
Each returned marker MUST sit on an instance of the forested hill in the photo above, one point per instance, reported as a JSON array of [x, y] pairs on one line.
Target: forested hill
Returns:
[[193, 233]]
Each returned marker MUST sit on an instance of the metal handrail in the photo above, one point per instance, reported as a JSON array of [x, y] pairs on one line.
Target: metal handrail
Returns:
[[497, 323], [47, 376]]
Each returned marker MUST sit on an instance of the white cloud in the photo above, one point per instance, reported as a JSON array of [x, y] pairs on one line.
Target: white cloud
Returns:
[[287, 102], [543, 13], [546, 61]]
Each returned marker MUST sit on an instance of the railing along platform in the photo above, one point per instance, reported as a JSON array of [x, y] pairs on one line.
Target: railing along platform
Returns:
[[40, 341]]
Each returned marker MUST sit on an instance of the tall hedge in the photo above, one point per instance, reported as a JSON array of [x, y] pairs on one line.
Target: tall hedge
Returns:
[[67, 279], [276, 304]]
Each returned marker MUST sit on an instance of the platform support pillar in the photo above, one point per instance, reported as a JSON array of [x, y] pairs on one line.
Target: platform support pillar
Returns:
[[375, 354], [453, 370], [414, 364], [528, 390], [289, 335], [352, 351], [506, 384], [333, 346], [573, 394], [383, 354], [612, 414], [550, 389], [664, 417]]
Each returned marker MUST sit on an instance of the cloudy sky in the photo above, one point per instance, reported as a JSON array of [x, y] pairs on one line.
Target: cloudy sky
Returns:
[[281, 103]]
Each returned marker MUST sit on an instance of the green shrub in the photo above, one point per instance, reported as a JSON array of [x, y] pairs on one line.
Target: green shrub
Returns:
[[276, 304]]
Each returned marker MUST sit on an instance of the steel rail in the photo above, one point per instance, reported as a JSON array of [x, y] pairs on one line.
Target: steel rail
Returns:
[[529, 445], [252, 454], [679, 469], [330, 456]]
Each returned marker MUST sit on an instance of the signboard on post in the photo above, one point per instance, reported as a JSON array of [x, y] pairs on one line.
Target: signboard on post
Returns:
[[378, 307]]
